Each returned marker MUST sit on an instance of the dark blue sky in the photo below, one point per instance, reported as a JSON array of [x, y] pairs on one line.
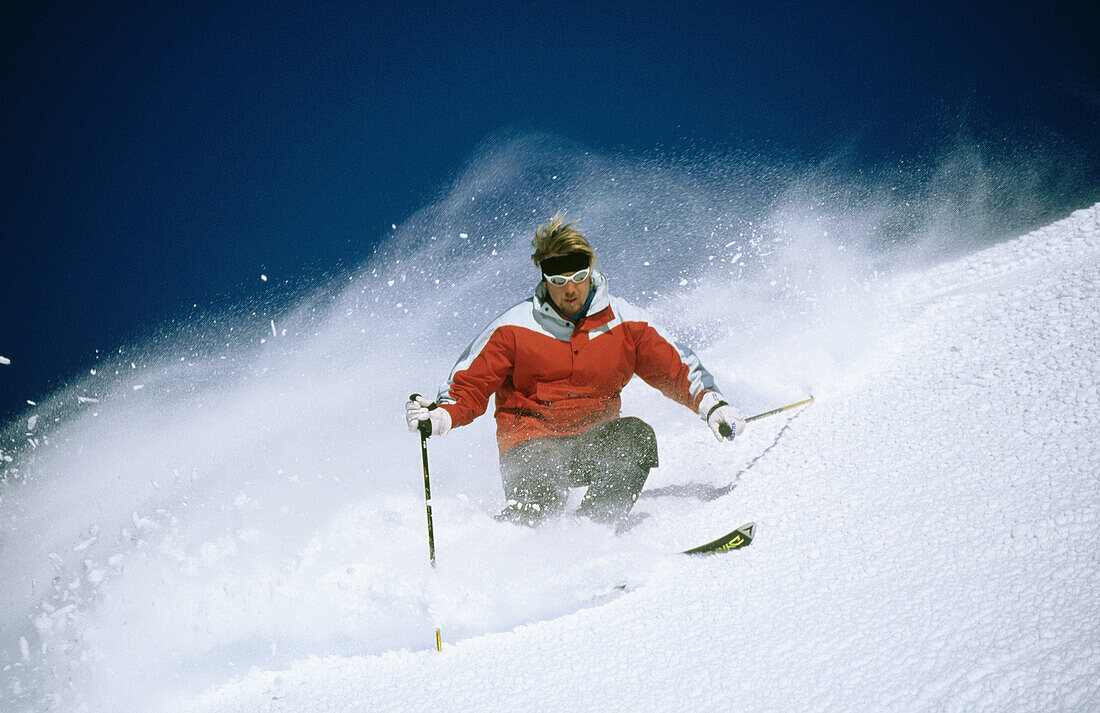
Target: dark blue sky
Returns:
[[159, 155]]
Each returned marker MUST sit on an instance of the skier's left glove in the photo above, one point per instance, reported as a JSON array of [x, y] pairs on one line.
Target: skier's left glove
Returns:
[[417, 410], [718, 413]]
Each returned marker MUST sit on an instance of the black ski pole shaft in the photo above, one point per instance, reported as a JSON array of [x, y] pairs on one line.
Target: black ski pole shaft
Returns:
[[427, 495], [425, 429]]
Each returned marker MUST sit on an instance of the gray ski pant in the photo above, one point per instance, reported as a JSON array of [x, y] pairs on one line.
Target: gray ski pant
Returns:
[[612, 459]]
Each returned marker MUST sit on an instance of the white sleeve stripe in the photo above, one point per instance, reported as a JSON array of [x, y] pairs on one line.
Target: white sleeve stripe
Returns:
[[464, 360], [518, 315], [699, 378]]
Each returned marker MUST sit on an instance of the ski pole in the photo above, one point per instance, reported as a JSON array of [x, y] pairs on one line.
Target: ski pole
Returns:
[[725, 431], [781, 409], [425, 429]]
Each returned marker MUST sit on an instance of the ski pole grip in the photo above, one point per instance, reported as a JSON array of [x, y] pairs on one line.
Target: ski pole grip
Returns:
[[724, 429], [425, 426]]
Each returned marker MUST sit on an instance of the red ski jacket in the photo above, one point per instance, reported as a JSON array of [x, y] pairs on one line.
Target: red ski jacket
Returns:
[[552, 377]]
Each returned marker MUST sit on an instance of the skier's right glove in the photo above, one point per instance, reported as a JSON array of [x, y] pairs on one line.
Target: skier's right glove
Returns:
[[718, 414], [420, 409]]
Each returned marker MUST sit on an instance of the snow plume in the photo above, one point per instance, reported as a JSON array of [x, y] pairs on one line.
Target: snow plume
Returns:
[[242, 493]]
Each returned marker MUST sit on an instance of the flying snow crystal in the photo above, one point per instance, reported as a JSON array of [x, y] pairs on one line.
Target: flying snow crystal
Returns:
[[463, 235], [273, 332], [32, 422], [263, 277], [4, 360]]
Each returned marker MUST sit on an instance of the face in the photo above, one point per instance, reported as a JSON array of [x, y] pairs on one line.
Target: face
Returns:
[[570, 297]]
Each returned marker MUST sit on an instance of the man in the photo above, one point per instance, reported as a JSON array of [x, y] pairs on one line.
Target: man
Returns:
[[556, 363]]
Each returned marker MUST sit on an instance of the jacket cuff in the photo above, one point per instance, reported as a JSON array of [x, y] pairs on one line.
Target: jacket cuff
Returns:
[[709, 400], [454, 412]]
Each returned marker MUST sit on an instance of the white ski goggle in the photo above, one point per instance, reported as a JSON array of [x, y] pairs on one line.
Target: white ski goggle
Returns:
[[561, 280]]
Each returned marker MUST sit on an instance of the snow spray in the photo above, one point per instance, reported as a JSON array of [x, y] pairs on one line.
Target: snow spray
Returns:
[[221, 495]]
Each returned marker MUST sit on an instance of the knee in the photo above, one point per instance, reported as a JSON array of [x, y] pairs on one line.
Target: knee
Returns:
[[638, 439], [637, 431]]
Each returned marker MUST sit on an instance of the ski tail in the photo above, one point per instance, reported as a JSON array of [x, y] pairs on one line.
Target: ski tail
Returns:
[[735, 540]]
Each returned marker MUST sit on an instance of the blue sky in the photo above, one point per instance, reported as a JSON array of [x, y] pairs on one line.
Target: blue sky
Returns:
[[161, 155]]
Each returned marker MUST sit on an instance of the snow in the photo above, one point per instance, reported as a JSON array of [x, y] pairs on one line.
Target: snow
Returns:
[[926, 539], [926, 529]]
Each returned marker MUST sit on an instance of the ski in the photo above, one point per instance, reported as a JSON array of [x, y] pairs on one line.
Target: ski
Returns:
[[741, 537]]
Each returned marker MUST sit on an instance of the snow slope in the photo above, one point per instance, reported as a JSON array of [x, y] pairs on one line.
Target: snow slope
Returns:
[[926, 531], [927, 538]]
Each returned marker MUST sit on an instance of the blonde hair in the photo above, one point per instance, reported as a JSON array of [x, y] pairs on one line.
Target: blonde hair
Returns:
[[558, 238]]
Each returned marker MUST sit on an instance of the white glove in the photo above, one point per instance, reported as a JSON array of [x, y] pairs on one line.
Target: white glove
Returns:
[[417, 411], [717, 413]]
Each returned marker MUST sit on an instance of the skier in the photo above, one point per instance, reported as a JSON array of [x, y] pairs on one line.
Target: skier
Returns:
[[556, 363]]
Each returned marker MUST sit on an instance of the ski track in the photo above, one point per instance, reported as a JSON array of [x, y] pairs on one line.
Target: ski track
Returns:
[[926, 542], [927, 539]]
